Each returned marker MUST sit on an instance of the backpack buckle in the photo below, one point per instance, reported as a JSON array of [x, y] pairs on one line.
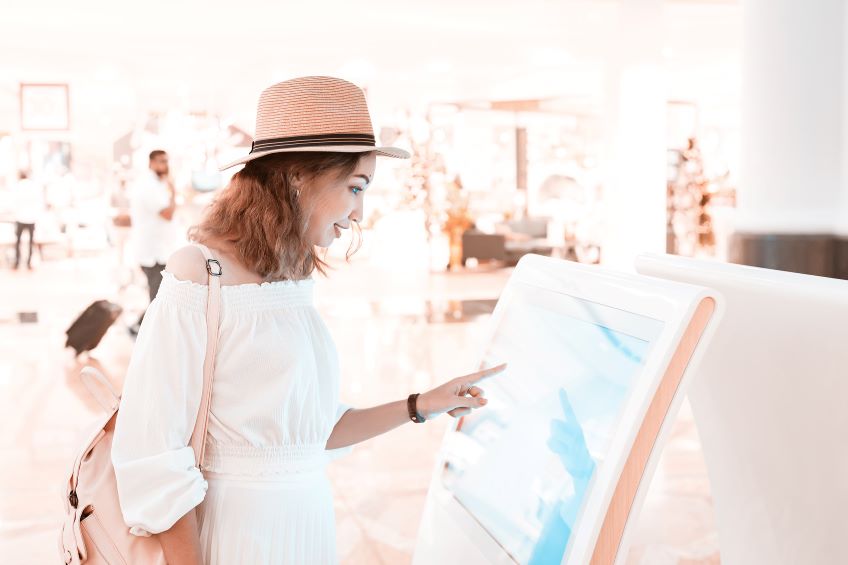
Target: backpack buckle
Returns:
[[213, 267]]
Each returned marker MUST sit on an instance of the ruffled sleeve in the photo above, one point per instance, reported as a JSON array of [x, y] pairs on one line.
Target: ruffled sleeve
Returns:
[[158, 481]]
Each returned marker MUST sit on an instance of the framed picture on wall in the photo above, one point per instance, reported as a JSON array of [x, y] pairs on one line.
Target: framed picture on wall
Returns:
[[44, 107]]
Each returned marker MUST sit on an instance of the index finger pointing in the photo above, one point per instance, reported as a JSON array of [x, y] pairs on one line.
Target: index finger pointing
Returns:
[[484, 374]]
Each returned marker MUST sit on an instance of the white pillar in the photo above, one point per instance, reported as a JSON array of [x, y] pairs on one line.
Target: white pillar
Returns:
[[635, 189], [793, 110], [842, 220]]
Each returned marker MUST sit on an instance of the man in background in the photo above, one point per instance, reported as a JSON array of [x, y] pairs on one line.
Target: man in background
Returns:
[[28, 202], [152, 207]]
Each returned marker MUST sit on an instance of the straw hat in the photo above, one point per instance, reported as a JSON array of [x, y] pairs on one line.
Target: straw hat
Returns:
[[314, 114]]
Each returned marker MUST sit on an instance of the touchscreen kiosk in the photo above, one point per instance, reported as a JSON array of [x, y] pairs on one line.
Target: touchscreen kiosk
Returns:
[[550, 470], [769, 402]]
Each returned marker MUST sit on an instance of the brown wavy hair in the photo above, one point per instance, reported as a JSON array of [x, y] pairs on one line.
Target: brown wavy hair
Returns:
[[263, 214]]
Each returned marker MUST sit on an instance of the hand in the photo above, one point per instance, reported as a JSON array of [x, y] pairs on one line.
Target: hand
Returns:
[[457, 397]]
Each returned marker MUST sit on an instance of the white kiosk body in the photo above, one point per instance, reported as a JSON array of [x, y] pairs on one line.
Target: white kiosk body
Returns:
[[769, 400], [552, 468]]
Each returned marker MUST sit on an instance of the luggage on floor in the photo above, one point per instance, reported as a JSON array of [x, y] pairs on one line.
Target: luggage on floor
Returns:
[[87, 330]]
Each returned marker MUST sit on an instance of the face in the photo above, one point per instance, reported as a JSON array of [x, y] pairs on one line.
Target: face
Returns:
[[336, 202], [159, 165]]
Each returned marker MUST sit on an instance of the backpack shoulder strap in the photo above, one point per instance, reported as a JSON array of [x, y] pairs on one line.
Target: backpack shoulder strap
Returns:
[[213, 318]]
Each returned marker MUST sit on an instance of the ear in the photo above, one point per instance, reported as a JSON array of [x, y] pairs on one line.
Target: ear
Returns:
[[295, 180]]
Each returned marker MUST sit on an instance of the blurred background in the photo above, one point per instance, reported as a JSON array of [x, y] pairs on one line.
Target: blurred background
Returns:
[[589, 130]]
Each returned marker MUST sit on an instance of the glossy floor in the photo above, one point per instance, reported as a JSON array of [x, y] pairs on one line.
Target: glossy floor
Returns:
[[396, 333]]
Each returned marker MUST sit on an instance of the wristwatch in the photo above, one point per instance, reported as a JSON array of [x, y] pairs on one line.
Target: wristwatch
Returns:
[[412, 409]]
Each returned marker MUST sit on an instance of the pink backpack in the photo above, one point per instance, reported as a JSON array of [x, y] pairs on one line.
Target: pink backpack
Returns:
[[94, 531]]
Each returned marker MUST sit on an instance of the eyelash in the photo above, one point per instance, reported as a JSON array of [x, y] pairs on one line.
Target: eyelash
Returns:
[[356, 190]]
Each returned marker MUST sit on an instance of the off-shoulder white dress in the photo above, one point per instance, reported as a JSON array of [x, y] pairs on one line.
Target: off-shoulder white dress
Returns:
[[264, 494]]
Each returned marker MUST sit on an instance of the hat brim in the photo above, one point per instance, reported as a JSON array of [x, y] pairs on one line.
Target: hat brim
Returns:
[[394, 152]]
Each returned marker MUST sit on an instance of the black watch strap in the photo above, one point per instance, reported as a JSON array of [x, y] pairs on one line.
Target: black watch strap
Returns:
[[412, 409]]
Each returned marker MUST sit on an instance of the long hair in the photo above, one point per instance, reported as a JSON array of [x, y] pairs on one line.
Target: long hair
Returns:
[[261, 212]]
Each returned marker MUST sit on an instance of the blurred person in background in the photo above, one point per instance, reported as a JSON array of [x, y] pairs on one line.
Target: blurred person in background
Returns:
[[28, 203], [152, 206]]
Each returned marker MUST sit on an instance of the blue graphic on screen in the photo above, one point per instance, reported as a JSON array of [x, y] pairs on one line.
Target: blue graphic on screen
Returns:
[[522, 466]]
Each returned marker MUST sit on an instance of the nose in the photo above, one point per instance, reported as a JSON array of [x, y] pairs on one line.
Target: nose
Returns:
[[358, 212]]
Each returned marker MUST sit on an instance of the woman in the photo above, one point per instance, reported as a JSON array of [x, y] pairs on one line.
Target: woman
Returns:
[[275, 409]]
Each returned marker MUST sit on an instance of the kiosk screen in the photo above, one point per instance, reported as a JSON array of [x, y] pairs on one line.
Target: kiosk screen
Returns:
[[524, 465]]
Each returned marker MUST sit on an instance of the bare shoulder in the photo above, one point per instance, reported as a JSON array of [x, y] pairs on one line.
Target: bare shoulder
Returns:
[[188, 264]]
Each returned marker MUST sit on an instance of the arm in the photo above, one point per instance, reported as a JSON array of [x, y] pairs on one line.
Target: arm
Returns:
[[168, 212], [457, 397], [181, 543], [358, 425], [159, 484]]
